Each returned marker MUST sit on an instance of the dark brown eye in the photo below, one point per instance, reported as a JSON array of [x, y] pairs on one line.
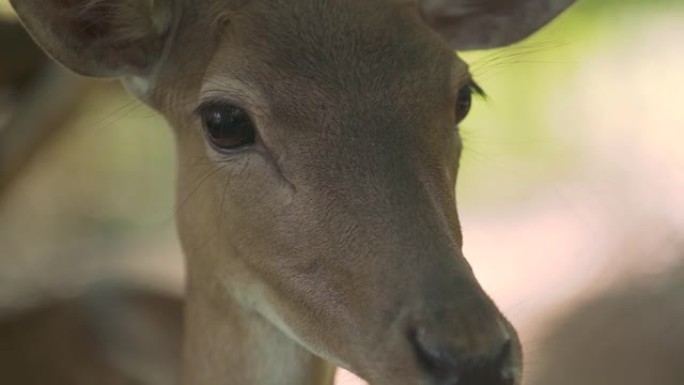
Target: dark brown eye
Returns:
[[226, 126], [463, 103]]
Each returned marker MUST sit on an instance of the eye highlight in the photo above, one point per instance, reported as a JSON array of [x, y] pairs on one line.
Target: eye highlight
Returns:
[[464, 99], [225, 125]]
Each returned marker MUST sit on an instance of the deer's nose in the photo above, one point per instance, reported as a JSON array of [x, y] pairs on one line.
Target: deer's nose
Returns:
[[449, 364]]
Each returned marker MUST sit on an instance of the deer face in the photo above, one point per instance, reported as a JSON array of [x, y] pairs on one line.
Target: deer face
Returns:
[[334, 196], [318, 151]]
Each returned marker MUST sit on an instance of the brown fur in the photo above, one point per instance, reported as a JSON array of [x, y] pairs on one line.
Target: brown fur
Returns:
[[112, 335], [335, 238], [632, 334]]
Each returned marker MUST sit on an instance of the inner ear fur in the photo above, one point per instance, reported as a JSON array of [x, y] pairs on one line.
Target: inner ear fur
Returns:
[[102, 38], [479, 24]]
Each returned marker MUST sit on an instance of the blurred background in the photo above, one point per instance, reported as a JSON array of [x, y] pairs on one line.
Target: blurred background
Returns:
[[571, 195]]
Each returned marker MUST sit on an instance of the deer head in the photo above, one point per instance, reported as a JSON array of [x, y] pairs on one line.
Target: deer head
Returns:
[[318, 151]]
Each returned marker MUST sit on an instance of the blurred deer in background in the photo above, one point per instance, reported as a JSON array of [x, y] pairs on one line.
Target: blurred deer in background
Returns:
[[318, 151], [114, 334], [29, 82], [630, 334]]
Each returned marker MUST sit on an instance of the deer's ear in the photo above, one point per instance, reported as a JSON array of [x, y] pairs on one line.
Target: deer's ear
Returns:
[[103, 38], [478, 24]]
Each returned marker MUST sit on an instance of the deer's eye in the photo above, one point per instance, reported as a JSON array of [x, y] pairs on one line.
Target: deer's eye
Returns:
[[463, 102], [226, 126], [465, 99]]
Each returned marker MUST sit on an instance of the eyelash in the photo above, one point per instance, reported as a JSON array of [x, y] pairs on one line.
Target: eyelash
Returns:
[[475, 89]]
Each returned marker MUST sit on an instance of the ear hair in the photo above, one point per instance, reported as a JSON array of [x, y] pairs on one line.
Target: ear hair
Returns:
[[446, 8], [106, 38], [478, 24]]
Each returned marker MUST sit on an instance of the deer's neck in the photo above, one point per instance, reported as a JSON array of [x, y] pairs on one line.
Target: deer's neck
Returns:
[[226, 344]]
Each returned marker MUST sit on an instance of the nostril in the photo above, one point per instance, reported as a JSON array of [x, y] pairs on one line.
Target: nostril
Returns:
[[431, 356], [504, 364], [455, 365], [503, 354]]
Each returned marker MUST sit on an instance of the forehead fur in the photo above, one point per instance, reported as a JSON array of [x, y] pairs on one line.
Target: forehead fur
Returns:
[[338, 48]]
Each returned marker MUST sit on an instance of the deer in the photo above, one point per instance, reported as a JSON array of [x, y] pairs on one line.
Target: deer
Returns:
[[31, 83], [114, 332], [318, 150], [645, 348]]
